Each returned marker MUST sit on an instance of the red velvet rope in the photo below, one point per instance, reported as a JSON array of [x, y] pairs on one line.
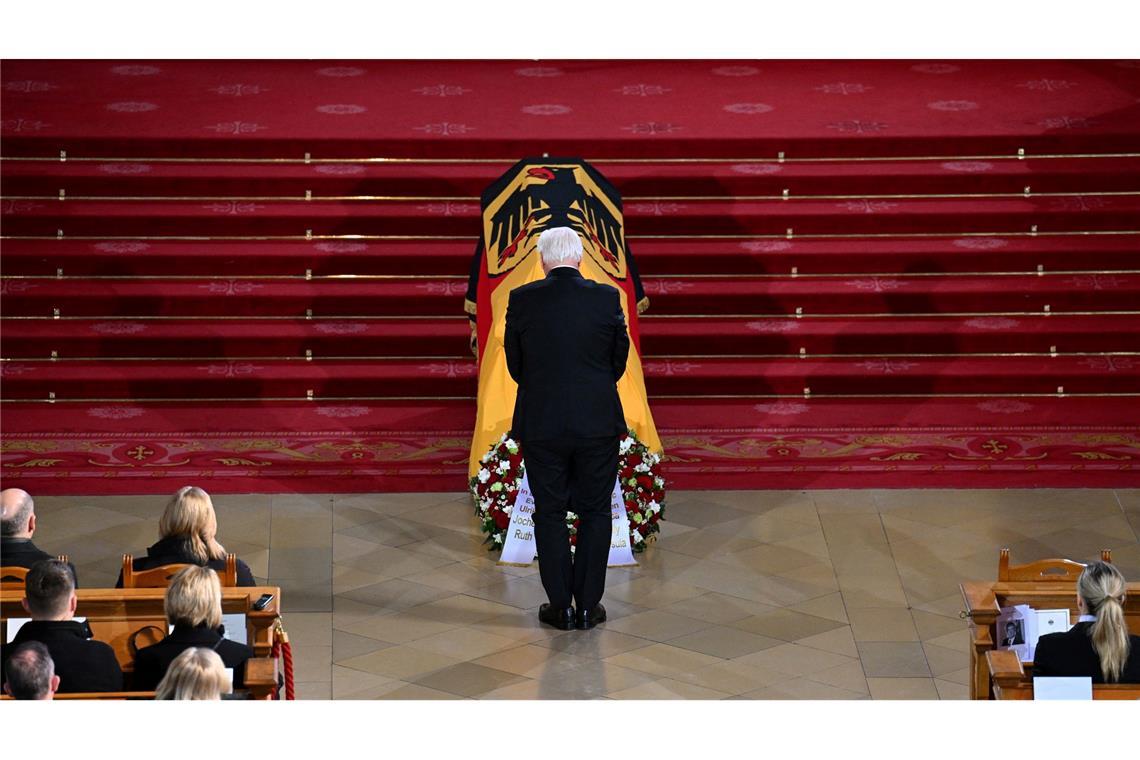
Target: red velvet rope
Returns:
[[284, 650]]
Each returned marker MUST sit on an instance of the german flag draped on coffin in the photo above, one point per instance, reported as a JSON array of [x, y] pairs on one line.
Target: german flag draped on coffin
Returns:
[[534, 195]]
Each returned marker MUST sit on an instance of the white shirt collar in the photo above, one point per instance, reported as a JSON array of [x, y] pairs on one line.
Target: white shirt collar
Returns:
[[1087, 619]]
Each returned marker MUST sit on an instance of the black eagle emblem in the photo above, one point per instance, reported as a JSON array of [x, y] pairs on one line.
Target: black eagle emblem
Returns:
[[553, 197]]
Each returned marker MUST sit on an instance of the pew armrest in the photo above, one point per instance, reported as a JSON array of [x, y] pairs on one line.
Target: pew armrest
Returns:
[[1005, 665], [1009, 678], [261, 677], [981, 602]]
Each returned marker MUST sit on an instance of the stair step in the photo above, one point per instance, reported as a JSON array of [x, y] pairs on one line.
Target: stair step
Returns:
[[448, 338], [839, 216], [684, 297], [653, 256], [79, 178], [704, 377]]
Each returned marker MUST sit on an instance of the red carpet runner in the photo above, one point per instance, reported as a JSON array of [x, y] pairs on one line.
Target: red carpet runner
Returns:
[[951, 313]]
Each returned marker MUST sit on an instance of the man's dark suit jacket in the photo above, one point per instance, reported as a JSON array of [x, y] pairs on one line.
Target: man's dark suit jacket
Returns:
[[21, 552], [172, 551], [1072, 654], [82, 664], [151, 662], [566, 345]]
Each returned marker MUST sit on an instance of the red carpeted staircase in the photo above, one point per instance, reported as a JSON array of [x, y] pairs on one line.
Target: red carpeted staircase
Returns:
[[250, 274]]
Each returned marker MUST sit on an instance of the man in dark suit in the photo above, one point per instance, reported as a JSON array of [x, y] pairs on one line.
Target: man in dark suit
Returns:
[[566, 346], [81, 663], [17, 524]]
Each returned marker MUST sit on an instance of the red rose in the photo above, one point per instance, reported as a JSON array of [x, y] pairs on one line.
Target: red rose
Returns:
[[501, 520], [577, 523], [654, 518], [633, 460], [515, 460], [626, 473], [574, 540], [643, 529], [645, 482], [512, 496]]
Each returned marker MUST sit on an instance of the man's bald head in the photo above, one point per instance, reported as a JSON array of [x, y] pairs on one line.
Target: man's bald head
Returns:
[[18, 520]]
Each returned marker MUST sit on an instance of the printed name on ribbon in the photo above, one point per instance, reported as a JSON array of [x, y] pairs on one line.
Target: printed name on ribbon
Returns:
[[519, 547]]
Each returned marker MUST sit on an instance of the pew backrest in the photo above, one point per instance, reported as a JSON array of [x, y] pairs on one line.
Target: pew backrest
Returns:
[[159, 577], [1044, 569], [14, 577]]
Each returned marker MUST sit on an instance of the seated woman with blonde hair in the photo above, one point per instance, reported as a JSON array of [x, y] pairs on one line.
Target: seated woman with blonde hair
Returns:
[[193, 605], [1099, 645], [197, 673], [188, 535]]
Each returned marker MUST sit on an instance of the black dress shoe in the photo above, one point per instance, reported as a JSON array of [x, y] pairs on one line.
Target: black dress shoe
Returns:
[[587, 619], [562, 619]]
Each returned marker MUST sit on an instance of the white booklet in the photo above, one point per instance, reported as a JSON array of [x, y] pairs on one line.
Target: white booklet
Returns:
[[1062, 687], [15, 624], [1019, 628]]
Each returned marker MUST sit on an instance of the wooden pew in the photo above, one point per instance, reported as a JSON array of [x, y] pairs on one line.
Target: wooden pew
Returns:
[[115, 614], [1046, 584], [260, 682], [1012, 681]]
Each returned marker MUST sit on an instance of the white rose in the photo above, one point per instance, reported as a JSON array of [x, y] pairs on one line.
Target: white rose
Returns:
[[498, 538], [653, 507], [484, 475], [625, 445]]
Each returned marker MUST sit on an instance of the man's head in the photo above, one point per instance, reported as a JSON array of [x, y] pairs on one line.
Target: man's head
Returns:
[[559, 247], [49, 591], [18, 519], [30, 673]]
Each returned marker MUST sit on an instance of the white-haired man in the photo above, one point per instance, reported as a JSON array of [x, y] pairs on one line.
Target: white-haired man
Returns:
[[17, 524], [566, 344]]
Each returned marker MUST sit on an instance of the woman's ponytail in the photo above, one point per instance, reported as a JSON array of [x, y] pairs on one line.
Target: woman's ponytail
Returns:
[[1102, 587]]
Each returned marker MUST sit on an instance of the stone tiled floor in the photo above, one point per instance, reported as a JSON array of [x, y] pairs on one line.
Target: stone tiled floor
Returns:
[[748, 595]]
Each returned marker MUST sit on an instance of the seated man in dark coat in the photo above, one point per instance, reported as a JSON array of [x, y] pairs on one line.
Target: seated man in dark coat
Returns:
[[17, 524], [81, 663], [188, 531], [194, 607]]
